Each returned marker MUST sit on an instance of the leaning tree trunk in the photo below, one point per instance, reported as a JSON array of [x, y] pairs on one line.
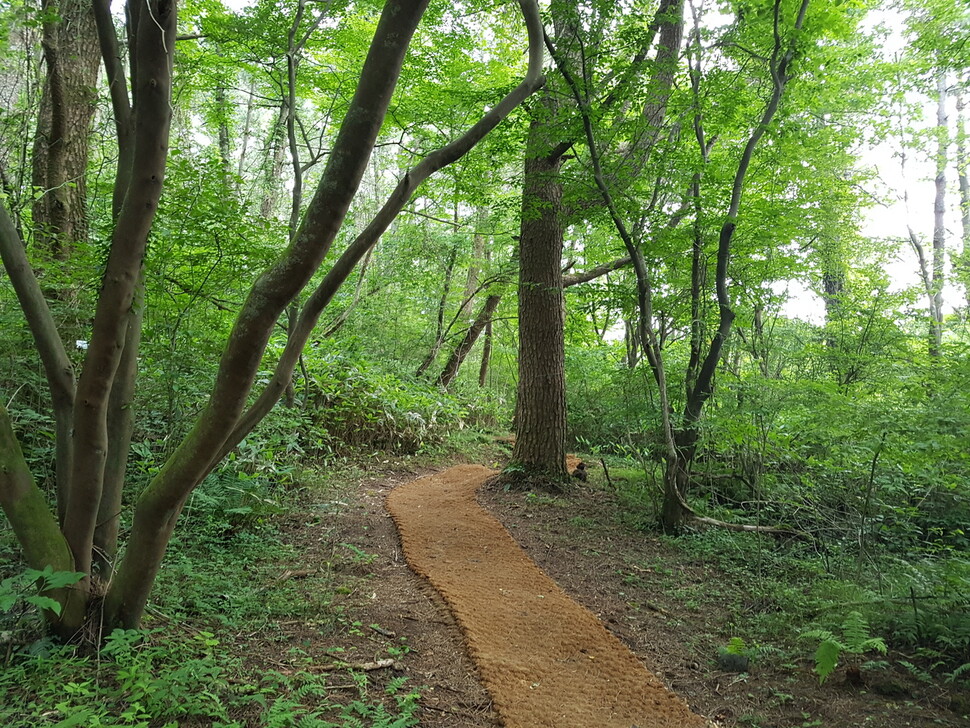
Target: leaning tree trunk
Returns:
[[461, 351], [142, 128]]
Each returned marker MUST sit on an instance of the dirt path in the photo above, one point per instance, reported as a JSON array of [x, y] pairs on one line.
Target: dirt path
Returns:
[[545, 659]]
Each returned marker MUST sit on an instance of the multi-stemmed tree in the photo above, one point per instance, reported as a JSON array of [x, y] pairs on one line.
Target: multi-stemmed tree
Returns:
[[94, 413]]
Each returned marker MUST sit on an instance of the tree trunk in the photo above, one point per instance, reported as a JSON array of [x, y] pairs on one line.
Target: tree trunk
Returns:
[[479, 255], [121, 417], [152, 47], [939, 226], [540, 411], [142, 126], [60, 158], [674, 514], [687, 435], [439, 331], [631, 340], [962, 264], [461, 351], [486, 355], [159, 506]]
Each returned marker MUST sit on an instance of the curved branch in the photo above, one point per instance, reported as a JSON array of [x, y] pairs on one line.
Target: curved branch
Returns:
[[401, 195], [162, 500], [703, 388], [58, 369]]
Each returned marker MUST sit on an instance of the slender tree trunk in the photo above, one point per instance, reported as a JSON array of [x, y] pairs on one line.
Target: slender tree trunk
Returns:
[[675, 510], [439, 332], [474, 266], [247, 124], [121, 419], [939, 227], [461, 351], [833, 289], [631, 339], [224, 111], [962, 161], [486, 355], [273, 165]]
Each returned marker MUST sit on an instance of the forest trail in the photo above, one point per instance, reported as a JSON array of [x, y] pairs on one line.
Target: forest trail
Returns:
[[545, 659]]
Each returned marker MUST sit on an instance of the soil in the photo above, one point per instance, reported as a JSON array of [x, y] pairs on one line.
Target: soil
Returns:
[[636, 585]]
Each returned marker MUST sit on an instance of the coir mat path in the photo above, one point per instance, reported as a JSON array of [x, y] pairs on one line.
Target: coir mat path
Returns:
[[545, 659]]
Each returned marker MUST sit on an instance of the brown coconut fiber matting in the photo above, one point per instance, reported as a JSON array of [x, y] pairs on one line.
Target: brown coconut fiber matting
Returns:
[[545, 659]]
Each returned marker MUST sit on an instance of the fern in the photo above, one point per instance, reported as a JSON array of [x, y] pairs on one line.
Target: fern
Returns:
[[856, 640], [736, 646], [917, 672], [826, 658], [964, 669]]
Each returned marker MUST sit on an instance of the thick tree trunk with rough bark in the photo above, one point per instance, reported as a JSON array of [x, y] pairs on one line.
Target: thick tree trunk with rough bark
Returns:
[[540, 411]]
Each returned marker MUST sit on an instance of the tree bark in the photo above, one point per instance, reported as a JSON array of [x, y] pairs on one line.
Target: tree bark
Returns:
[[58, 369], [60, 157], [34, 525], [486, 355], [539, 454], [159, 506], [962, 160], [121, 420], [152, 45]]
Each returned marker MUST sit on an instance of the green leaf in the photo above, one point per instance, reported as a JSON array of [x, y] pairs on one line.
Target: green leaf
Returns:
[[826, 659], [45, 603]]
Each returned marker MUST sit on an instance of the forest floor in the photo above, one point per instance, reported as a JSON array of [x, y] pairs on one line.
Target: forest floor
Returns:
[[672, 610]]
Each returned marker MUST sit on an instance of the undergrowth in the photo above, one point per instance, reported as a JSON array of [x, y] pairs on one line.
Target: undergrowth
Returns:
[[778, 588], [228, 573]]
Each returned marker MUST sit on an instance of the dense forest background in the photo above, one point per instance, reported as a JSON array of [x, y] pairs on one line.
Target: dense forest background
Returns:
[[720, 250]]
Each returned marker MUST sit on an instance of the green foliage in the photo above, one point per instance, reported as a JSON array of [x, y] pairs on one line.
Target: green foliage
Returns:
[[359, 405], [23, 588], [139, 676], [308, 701], [856, 640], [143, 678]]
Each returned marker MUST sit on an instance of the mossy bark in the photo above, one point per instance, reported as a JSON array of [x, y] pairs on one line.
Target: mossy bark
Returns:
[[35, 527]]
